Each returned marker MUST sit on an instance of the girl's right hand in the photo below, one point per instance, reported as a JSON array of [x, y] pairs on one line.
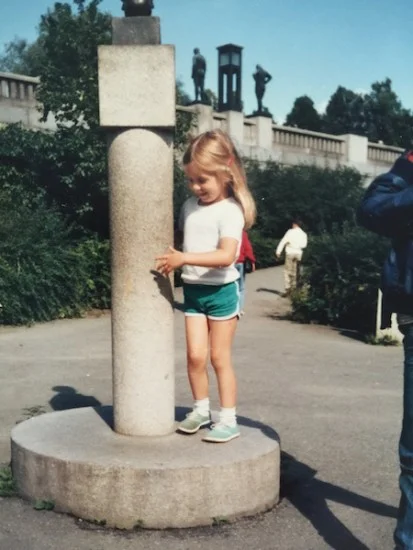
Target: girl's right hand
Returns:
[[174, 259]]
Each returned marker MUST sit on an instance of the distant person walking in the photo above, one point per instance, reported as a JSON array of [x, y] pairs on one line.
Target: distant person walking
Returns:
[[294, 242], [245, 264]]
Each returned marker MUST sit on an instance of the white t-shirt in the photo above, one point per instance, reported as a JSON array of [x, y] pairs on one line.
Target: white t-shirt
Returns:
[[294, 241], [203, 227]]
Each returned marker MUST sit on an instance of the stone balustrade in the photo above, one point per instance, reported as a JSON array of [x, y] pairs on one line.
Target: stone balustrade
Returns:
[[285, 136], [259, 138], [256, 137], [380, 153], [18, 87], [18, 102]]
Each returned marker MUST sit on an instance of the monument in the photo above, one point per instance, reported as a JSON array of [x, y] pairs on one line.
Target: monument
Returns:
[[198, 75], [261, 77], [125, 465], [133, 8]]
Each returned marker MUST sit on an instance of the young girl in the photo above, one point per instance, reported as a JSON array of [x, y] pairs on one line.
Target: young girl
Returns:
[[212, 222]]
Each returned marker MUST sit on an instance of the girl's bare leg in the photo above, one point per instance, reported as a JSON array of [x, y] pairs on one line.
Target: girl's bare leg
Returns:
[[221, 339], [197, 339]]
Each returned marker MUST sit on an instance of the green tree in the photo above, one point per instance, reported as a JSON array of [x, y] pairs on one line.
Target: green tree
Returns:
[[378, 115], [212, 98], [21, 57], [320, 197], [388, 121], [304, 115], [341, 279], [69, 83], [182, 97], [345, 113]]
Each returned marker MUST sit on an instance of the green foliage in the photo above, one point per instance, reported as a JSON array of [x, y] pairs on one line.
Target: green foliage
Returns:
[[44, 274], [341, 279], [384, 340], [379, 115], [44, 505], [304, 115], [264, 249], [388, 121], [93, 260], [20, 57], [69, 84], [345, 113], [319, 197], [7, 482], [212, 98], [218, 521], [34, 410]]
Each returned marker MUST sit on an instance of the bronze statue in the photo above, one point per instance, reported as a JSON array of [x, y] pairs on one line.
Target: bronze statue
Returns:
[[261, 78], [198, 74], [133, 8]]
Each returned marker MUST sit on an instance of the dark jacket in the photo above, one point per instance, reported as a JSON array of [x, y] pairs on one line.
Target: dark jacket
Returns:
[[387, 209]]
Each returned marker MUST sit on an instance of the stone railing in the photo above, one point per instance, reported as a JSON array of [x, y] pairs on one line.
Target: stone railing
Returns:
[[257, 137], [286, 136], [16, 87], [380, 153], [18, 103]]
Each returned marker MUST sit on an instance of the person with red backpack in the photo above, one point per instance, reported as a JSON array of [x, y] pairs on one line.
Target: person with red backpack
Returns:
[[387, 209], [245, 264]]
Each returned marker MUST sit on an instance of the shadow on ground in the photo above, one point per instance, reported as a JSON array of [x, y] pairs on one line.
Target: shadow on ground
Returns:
[[271, 291], [299, 484], [69, 398], [310, 497]]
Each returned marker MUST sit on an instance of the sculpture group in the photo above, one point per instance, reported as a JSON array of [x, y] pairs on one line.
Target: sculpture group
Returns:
[[199, 69]]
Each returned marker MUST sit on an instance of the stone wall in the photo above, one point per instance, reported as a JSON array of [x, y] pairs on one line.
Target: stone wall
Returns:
[[256, 137], [18, 102], [260, 138]]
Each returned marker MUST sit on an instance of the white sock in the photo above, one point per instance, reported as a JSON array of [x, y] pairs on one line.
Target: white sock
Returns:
[[228, 416], [201, 406]]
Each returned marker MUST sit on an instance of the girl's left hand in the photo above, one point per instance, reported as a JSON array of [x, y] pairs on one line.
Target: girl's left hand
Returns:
[[174, 259]]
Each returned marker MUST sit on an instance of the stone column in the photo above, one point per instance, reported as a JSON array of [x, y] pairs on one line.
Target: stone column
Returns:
[[204, 118], [264, 132], [235, 126], [356, 148], [137, 107]]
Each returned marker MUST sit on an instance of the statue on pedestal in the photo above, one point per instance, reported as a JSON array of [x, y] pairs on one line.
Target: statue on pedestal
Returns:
[[198, 75], [134, 8], [261, 77]]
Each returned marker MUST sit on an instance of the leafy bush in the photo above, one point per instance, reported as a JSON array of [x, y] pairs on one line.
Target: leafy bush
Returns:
[[264, 249], [340, 279], [44, 275], [319, 197]]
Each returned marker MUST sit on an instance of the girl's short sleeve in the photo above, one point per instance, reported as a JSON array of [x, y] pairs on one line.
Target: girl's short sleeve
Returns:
[[232, 222]]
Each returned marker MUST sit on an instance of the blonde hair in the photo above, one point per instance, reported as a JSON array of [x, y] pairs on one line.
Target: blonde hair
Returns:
[[214, 152]]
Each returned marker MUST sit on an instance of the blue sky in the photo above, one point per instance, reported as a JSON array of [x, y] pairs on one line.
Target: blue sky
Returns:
[[309, 47]]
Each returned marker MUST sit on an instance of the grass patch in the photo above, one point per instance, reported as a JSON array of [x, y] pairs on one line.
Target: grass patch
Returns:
[[384, 340], [219, 520], [44, 505], [7, 482]]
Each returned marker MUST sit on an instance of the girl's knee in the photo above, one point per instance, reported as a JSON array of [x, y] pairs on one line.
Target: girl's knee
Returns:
[[196, 361], [220, 361]]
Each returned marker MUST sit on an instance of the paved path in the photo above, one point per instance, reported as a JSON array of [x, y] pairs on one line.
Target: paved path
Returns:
[[336, 403]]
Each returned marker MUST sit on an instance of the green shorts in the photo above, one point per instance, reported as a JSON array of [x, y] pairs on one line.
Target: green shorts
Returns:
[[217, 302]]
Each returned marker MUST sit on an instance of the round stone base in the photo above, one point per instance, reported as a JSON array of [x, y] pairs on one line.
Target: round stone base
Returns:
[[76, 460]]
